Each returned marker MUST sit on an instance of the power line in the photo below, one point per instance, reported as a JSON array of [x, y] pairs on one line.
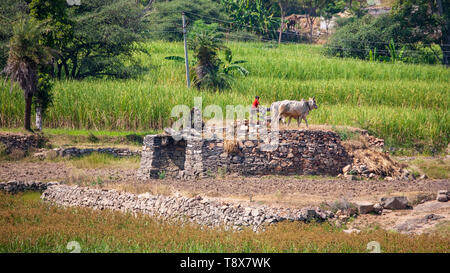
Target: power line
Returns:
[[269, 30], [231, 33]]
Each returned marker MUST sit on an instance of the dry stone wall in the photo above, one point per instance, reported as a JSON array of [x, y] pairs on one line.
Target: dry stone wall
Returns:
[[76, 152], [21, 186], [300, 152], [197, 210], [20, 141], [162, 156]]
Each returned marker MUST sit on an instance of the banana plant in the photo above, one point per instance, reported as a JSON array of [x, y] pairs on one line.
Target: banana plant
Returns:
[[395, 56], [373, 55], [229, 65]]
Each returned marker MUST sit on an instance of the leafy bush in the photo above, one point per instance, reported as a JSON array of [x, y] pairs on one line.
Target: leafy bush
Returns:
[[357, 38], [377, 39]]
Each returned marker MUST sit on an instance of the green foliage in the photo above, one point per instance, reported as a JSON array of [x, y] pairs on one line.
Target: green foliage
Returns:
[[3, 151], [331, 8], [210, 71], [199, 27], [254, 16], [346, 134], [162, 174], [424, 22], [206, 41], [358, 8], [59, 27], [405, 104], [229, 66], [26, 54], [375, 38], [10, 11], [418, 21], [43, 96], [105, 36], [165, 19]]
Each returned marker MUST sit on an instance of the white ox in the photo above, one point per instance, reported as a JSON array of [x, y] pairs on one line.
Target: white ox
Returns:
[[293, 109]]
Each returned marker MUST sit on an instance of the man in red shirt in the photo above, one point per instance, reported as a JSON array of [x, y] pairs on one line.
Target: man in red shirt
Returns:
[[255, 102], [254, 111]]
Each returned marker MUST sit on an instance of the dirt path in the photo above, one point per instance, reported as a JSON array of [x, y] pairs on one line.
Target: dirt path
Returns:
[[277, 189]]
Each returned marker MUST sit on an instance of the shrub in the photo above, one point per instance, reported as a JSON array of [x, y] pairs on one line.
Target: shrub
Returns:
[[377, 38], [162, 174], [357, 37]]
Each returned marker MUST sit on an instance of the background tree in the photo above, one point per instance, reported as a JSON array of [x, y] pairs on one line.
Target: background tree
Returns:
[[358, 8], [378, 38], [312, 9], [53, 14], [206, 43], [43, 98], [330, 9], [255, 16], [105, 36], [10, 11], [25, 55], [165, 18], [283, 4], [424, 21]]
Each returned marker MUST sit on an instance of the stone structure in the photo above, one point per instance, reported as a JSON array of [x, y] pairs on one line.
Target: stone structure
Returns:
[[77, 152], [299, 152], [20, 141], [21, 186], [196, 210]]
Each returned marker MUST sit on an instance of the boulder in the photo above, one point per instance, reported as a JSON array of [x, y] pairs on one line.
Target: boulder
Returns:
[[377, 208], [364, 207], [442, 196], [394, 203], [346, 169], [351, 177]]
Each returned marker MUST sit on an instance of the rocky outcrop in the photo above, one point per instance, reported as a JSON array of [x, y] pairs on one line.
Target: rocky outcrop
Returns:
[[394, 203], [198, 210]]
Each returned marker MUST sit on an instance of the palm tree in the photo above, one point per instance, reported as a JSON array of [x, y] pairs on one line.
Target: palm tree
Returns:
[[206, 45], [25, 55]]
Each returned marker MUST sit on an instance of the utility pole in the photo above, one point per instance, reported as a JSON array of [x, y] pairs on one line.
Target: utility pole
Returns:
[[186, 60]]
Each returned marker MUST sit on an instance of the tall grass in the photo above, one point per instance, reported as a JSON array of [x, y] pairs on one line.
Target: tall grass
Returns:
[[406, 104], [29, 225]]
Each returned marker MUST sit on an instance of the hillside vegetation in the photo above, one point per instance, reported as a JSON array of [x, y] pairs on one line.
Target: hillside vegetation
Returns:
[[406, 104]]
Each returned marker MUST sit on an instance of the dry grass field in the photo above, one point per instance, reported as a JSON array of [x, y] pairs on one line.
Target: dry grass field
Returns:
[[29, 225]]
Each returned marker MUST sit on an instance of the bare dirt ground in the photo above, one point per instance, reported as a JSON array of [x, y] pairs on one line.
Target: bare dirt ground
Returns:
[[281, 191]]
